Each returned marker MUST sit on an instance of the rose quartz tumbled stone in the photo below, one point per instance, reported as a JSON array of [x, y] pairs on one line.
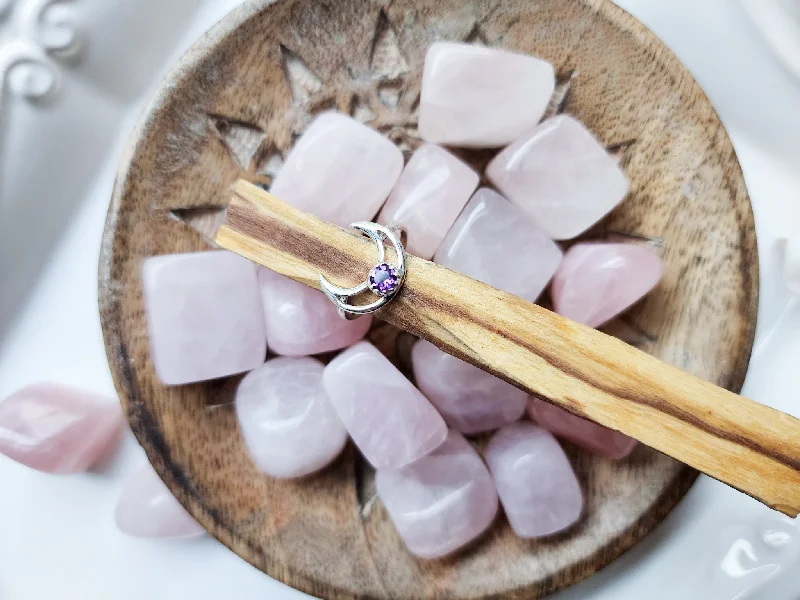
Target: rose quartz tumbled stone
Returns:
[[586, 434], [204, 315], [469, 399], [339, 170], [534, 479], [442, 501], [58, 429], [561, 176], [390, 421], [301, 320], [427, 198], [481, 97], [286, 418], [596, 281], [147, 509], [492, 241]]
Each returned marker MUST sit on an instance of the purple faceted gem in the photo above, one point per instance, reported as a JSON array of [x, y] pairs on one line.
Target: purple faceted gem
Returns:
[[383, 279]]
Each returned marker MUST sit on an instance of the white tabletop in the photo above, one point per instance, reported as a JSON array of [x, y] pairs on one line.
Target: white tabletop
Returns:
[[57, 535]]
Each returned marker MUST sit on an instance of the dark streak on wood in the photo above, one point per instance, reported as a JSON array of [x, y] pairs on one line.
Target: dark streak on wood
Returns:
[[280, 237], [654, 400]]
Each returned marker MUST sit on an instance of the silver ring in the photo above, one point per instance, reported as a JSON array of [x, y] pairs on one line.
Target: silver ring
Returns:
[[384, 280]]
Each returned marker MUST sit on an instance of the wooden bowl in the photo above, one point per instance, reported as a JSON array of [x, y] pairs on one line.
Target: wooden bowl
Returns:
[[232, 109]]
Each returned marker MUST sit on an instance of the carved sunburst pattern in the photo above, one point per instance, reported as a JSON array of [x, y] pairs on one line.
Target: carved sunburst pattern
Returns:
[[385, 98]]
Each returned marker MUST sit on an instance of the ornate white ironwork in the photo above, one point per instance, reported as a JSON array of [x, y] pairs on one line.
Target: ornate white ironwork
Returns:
[[36, 37]]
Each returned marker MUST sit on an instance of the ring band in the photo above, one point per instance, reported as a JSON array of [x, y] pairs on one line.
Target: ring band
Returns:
[[384, 280]]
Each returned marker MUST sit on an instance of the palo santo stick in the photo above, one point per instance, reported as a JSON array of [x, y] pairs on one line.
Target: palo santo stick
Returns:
[[751, 447]]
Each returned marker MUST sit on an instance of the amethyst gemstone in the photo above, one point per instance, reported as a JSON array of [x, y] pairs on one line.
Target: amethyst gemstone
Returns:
[[383, 279]]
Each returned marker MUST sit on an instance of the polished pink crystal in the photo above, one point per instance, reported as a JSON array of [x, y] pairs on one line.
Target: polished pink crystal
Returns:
[[469, 399], [534, 479], [561, 176], [427, 198], [58, 429], [492, 241], [597, 281], [301, 320], [442, 501], [586, 434], [147, 509], [481, 97], [339, 170], [390, 421], [204, 316], [286, 418]]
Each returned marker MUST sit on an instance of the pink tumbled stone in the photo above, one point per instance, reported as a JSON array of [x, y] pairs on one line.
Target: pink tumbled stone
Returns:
[[596, 281], [561, 176], [301, 320], [534, 479], [204, 315], [147, 509], [339, 170], [286, 418], [481, 97], [442, 501], [390, 421], [492, 241], [58, 429], [469, 399], [427, 198], [586, 434]]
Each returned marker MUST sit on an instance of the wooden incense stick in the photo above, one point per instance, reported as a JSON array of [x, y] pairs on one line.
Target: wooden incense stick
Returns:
[[750, 447]]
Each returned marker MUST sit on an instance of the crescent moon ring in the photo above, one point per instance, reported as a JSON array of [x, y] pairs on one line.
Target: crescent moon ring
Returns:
[[384, 280]]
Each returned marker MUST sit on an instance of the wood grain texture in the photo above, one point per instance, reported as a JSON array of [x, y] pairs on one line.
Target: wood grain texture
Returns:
[[232, 109], [751, 447]]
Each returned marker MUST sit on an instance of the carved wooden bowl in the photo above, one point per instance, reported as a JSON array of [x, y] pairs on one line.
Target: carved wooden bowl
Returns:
[[232, 109]]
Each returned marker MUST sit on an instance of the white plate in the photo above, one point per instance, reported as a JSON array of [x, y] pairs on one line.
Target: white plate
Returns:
[[57, 163]]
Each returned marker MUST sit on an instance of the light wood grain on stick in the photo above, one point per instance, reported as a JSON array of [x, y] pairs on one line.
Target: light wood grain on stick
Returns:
[[751, 447]]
